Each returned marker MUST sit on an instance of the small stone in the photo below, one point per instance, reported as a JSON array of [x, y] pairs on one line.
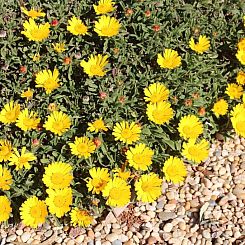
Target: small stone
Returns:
[[194, 203], [222, 171], [11, 238], [123, 238], [116, 242], [182, 225], [80, 239], [187, 206], [237, 234], [223, 200], [91, 234], [19, 232], [129, 242], [170, 195], [164, 216], [239, 193], [25, 236], [112, 237], [160, 204], [170, 206], [194, 228], [151, 240], [98, 227], [97, 242], [38, 242], [3, 33], [70, 242], [168, 227], [110, 218], [48, 233], [206, 234]]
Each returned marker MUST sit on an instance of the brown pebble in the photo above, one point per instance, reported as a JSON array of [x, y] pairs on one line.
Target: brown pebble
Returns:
[[91, 234], [151, 240]]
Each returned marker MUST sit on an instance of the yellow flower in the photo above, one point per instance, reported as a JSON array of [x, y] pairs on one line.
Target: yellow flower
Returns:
[[202, 45], [107, 26], [97, 125], [77, 27], [196, 152], [220, 108], [95, 65], [10, 112], [174, 170], [104, 6], [240, 78], [36, 57], [148, 187], [47, 80], [170, 59], [21, 160], [5, 150], [190, 127], [160, 113], [5, 208], [156, 92], [238, 119], [59, 47], [120, 173], [58, 123], [140, 157], [27, 94], [117, 192], [241, 44], [5, 178], [27, 120], [35, 32], [33, 212], [57, 175], [81, 217], [33, 13], [82, 147], [100, 178], [234, 91], [127, 133], [241, 56], [59, 201]]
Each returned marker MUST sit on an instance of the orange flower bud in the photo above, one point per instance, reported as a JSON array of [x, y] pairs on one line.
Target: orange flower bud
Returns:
[[97, 142], [156, 28], [147, 13], [129, 12], [188, 102], [67, 60], [23, 69], [201, 111]]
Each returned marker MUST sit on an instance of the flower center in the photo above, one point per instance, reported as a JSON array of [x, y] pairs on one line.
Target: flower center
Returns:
[[22, 160], [4, 150], [187, 130], [139, 159], [10, 115], [82, 147], [193, 151], [115, 194], [95, 69], [156, 97], [50, 83], [57, 178], [59, 201], [28, 122], [98, 124], [103, 8], [240, 126], [36, 212], [158, 115], [58, 126], [33, 13], [108, 31], [126, 133], [146, 187], [97, 183], [80, 28]]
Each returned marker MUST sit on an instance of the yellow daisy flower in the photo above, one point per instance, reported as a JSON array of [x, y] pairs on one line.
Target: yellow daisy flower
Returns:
[[140, 157], [234, 91], [21, 160], [120, 173], [97, 125], [202, 45], [196, 152], [156, 92], [5, 150], [36, 57], [33, 13], [238, 119], [33, 212], [81, 217], [107, 26], [148, 187], [127, 133], [27, 120], [95, 65], [59, 47], [241, 56], [5, 208], [104, 6], [117, 192], [174, 170], [100, 178], [58, 123], [35, 32], [82, 147], [77, 27], [169, 60], [27, 94], [240, 78], [57, 175], [160, 113], [190, 127], [220, 108], [10, 112], [5, 178], [241, 44], [59, 201], [47, 80]]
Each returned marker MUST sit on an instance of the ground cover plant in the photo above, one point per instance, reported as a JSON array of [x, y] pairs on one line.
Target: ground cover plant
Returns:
[[103, 101]]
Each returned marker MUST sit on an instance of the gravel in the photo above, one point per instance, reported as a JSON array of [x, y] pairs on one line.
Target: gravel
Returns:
[[207, 209]]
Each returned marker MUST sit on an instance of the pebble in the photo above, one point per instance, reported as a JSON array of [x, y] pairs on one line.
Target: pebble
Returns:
[[11, 238], [206, 234], [25, 236], [48, 233], [164, 216], [168, 227], [112, 237], [80, 238], [117, 242], [151, 240], [223, 200]]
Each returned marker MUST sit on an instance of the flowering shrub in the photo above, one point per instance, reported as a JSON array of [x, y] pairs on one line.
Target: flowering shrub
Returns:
[[100, 100]]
